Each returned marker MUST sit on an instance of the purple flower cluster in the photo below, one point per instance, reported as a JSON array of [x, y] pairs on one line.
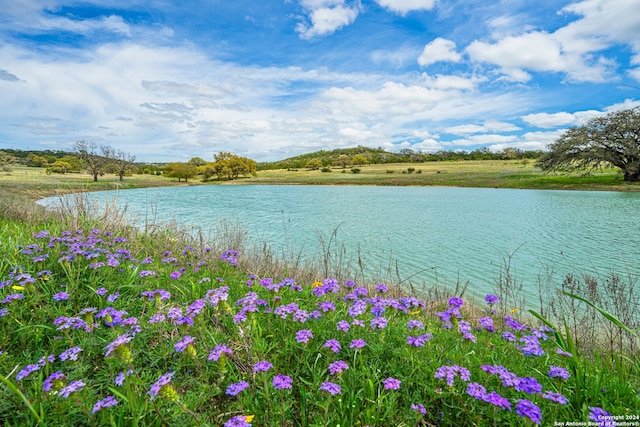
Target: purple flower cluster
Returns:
[[331, 388], [281, 382], [235, 388], [391, 384], [304, 335], [450, 372]]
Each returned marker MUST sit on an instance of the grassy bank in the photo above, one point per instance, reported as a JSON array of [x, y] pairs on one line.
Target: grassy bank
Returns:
[[481, 173], [103, 325]]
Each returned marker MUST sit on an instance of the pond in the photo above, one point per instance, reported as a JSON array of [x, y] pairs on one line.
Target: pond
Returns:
[[434, 234]]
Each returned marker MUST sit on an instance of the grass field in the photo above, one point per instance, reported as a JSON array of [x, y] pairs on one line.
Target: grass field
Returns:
[[483, 173]]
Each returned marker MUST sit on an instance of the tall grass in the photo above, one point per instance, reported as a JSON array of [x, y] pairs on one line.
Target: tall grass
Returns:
[[104, 324]]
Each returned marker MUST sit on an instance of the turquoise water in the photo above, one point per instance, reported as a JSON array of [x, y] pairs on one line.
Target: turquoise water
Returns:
[[443, 234]]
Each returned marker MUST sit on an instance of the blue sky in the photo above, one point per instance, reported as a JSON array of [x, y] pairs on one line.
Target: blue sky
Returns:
[[167, 80]]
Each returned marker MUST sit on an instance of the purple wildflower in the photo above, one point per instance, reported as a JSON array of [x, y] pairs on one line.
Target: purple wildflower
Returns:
[[531, 346], [238, 420], [281, 382], [334, 345], [382, 288], [491, 299], [558, 372], [378, 323], [236, 388], [527, 409], [415, 324], [598, 414], [456, 302], [358, 343], [337, 367], [391, 383], [420, 340], [476, 390], [218, 351], [182, 345], [262, 366], [509, 336], [304, 335], [450, 372], [157, 318], [487, 323], [343, 326], [357, 308], [104, 403], [70, 354], [60, 296], [119, 342], [529, 385], [331, 388], [101, 291], [419, 407], [73, 387], [496, 400], [119, 380], [54, 379], [26, 371], [514, 324], [163, 381], [555, 397]]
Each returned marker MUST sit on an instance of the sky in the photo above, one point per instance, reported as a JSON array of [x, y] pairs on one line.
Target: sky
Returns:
[[168, 80]]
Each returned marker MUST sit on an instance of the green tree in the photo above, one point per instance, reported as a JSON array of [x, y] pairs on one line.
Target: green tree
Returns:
[[60, 166], [359, 160], [7, 161], [613, 139], [198, 161], [74, 162], [180, 171], [36, 161], [314, 164], [229, 166], [343, 160]]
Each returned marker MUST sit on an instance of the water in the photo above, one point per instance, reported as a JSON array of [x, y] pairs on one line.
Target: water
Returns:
[[437, 233]]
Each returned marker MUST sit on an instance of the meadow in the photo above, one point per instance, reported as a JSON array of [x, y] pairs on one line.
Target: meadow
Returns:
[[102, 324]]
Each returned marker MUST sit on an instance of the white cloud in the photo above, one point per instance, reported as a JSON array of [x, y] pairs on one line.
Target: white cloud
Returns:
[[444, 82], [563, 118], [405, 6], [324, 17], [482, 139], [574, 49], [488, 126], [546, 120], [438, 50]]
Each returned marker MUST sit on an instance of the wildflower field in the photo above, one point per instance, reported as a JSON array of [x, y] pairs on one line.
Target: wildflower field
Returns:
[[110, 327]]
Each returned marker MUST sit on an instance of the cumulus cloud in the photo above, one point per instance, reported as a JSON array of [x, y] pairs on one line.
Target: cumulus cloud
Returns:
[[576, 50], [439, 50], [403, 7], [562, 118], [324, 17]]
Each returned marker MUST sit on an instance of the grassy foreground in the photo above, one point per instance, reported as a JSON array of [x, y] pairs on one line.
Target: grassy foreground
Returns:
[[107, 326]]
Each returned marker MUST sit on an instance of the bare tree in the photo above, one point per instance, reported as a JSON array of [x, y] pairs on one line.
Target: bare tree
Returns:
[[118, 161], [93, 160]]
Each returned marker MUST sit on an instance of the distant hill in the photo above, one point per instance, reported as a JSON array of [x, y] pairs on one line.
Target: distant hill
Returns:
[[366, 155]]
